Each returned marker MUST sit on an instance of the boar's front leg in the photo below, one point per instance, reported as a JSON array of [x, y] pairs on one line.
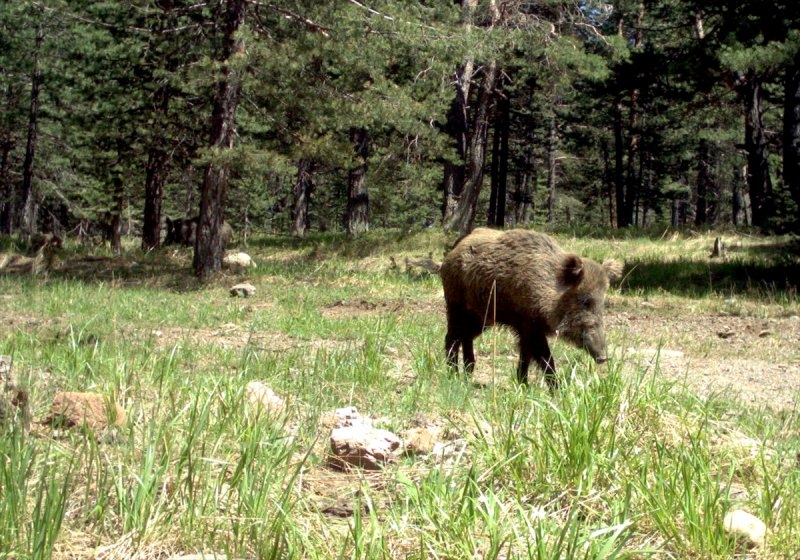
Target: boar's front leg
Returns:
[[452, 340], [461, 331], [452, 345], [469, 354], [534, 346]]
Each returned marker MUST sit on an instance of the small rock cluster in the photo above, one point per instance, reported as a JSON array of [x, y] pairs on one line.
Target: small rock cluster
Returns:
[[355, 440], [93, 411], [238, 262]]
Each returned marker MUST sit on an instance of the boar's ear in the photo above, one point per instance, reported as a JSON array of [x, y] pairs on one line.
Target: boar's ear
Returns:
[[571, 272], [613, 269]]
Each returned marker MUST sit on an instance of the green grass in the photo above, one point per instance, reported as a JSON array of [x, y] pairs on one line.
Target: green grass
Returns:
[[620, 463]]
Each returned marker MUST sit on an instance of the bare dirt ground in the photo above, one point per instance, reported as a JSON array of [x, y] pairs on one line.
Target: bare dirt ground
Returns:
[[754, 360]]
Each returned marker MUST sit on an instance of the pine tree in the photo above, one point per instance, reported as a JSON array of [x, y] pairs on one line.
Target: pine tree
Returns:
[[208, 250]]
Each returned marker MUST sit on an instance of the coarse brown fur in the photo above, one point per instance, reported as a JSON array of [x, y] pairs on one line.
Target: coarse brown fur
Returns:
[[524, 280]]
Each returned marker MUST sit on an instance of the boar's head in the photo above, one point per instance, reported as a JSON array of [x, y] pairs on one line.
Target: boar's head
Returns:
[[579, 315]]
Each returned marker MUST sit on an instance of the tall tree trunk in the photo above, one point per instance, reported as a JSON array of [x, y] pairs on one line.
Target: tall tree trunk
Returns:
[[497, 201], [502, 172], [7, 194], [463, 218], [647, 202], [208, 245], [738, 208], [458, 130], [303, 187], [494, 175], [523, 193], [551, 170], [623, 218], [115, 223], [626, 179], [457, 126], [452, 185], [755, 142], [703, 184], [156, 173], [608, 183], [6, 190], [633, 178], [715, 189], [619, 156], [26, 195], [791, 135], [357, 194], [155, 178]]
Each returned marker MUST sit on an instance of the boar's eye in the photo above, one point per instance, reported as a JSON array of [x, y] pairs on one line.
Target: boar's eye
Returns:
[[586, 301]]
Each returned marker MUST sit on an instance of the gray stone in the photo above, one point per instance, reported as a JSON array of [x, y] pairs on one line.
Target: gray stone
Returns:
[[243, 290], [363, 446]]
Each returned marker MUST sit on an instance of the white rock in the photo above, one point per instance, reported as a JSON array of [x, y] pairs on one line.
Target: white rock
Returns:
[[363, 446], [238, 261], [739, 523], [262, 397]]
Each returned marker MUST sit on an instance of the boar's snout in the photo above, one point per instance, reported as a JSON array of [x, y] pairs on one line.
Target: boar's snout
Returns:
[[595, 343]]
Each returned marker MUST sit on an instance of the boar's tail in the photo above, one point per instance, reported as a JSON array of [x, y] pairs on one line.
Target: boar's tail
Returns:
[[458, 240]]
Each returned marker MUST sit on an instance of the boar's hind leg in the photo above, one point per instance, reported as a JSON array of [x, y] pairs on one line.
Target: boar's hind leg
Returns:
[[534, 346]]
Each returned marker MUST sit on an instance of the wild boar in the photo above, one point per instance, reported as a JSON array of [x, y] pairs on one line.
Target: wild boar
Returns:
[[183, 231], [524, 280]]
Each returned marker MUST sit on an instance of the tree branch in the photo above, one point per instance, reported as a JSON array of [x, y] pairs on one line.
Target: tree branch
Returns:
[[311, 25]]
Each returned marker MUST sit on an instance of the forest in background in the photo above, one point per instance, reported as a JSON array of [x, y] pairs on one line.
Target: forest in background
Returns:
[[296, 116]]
